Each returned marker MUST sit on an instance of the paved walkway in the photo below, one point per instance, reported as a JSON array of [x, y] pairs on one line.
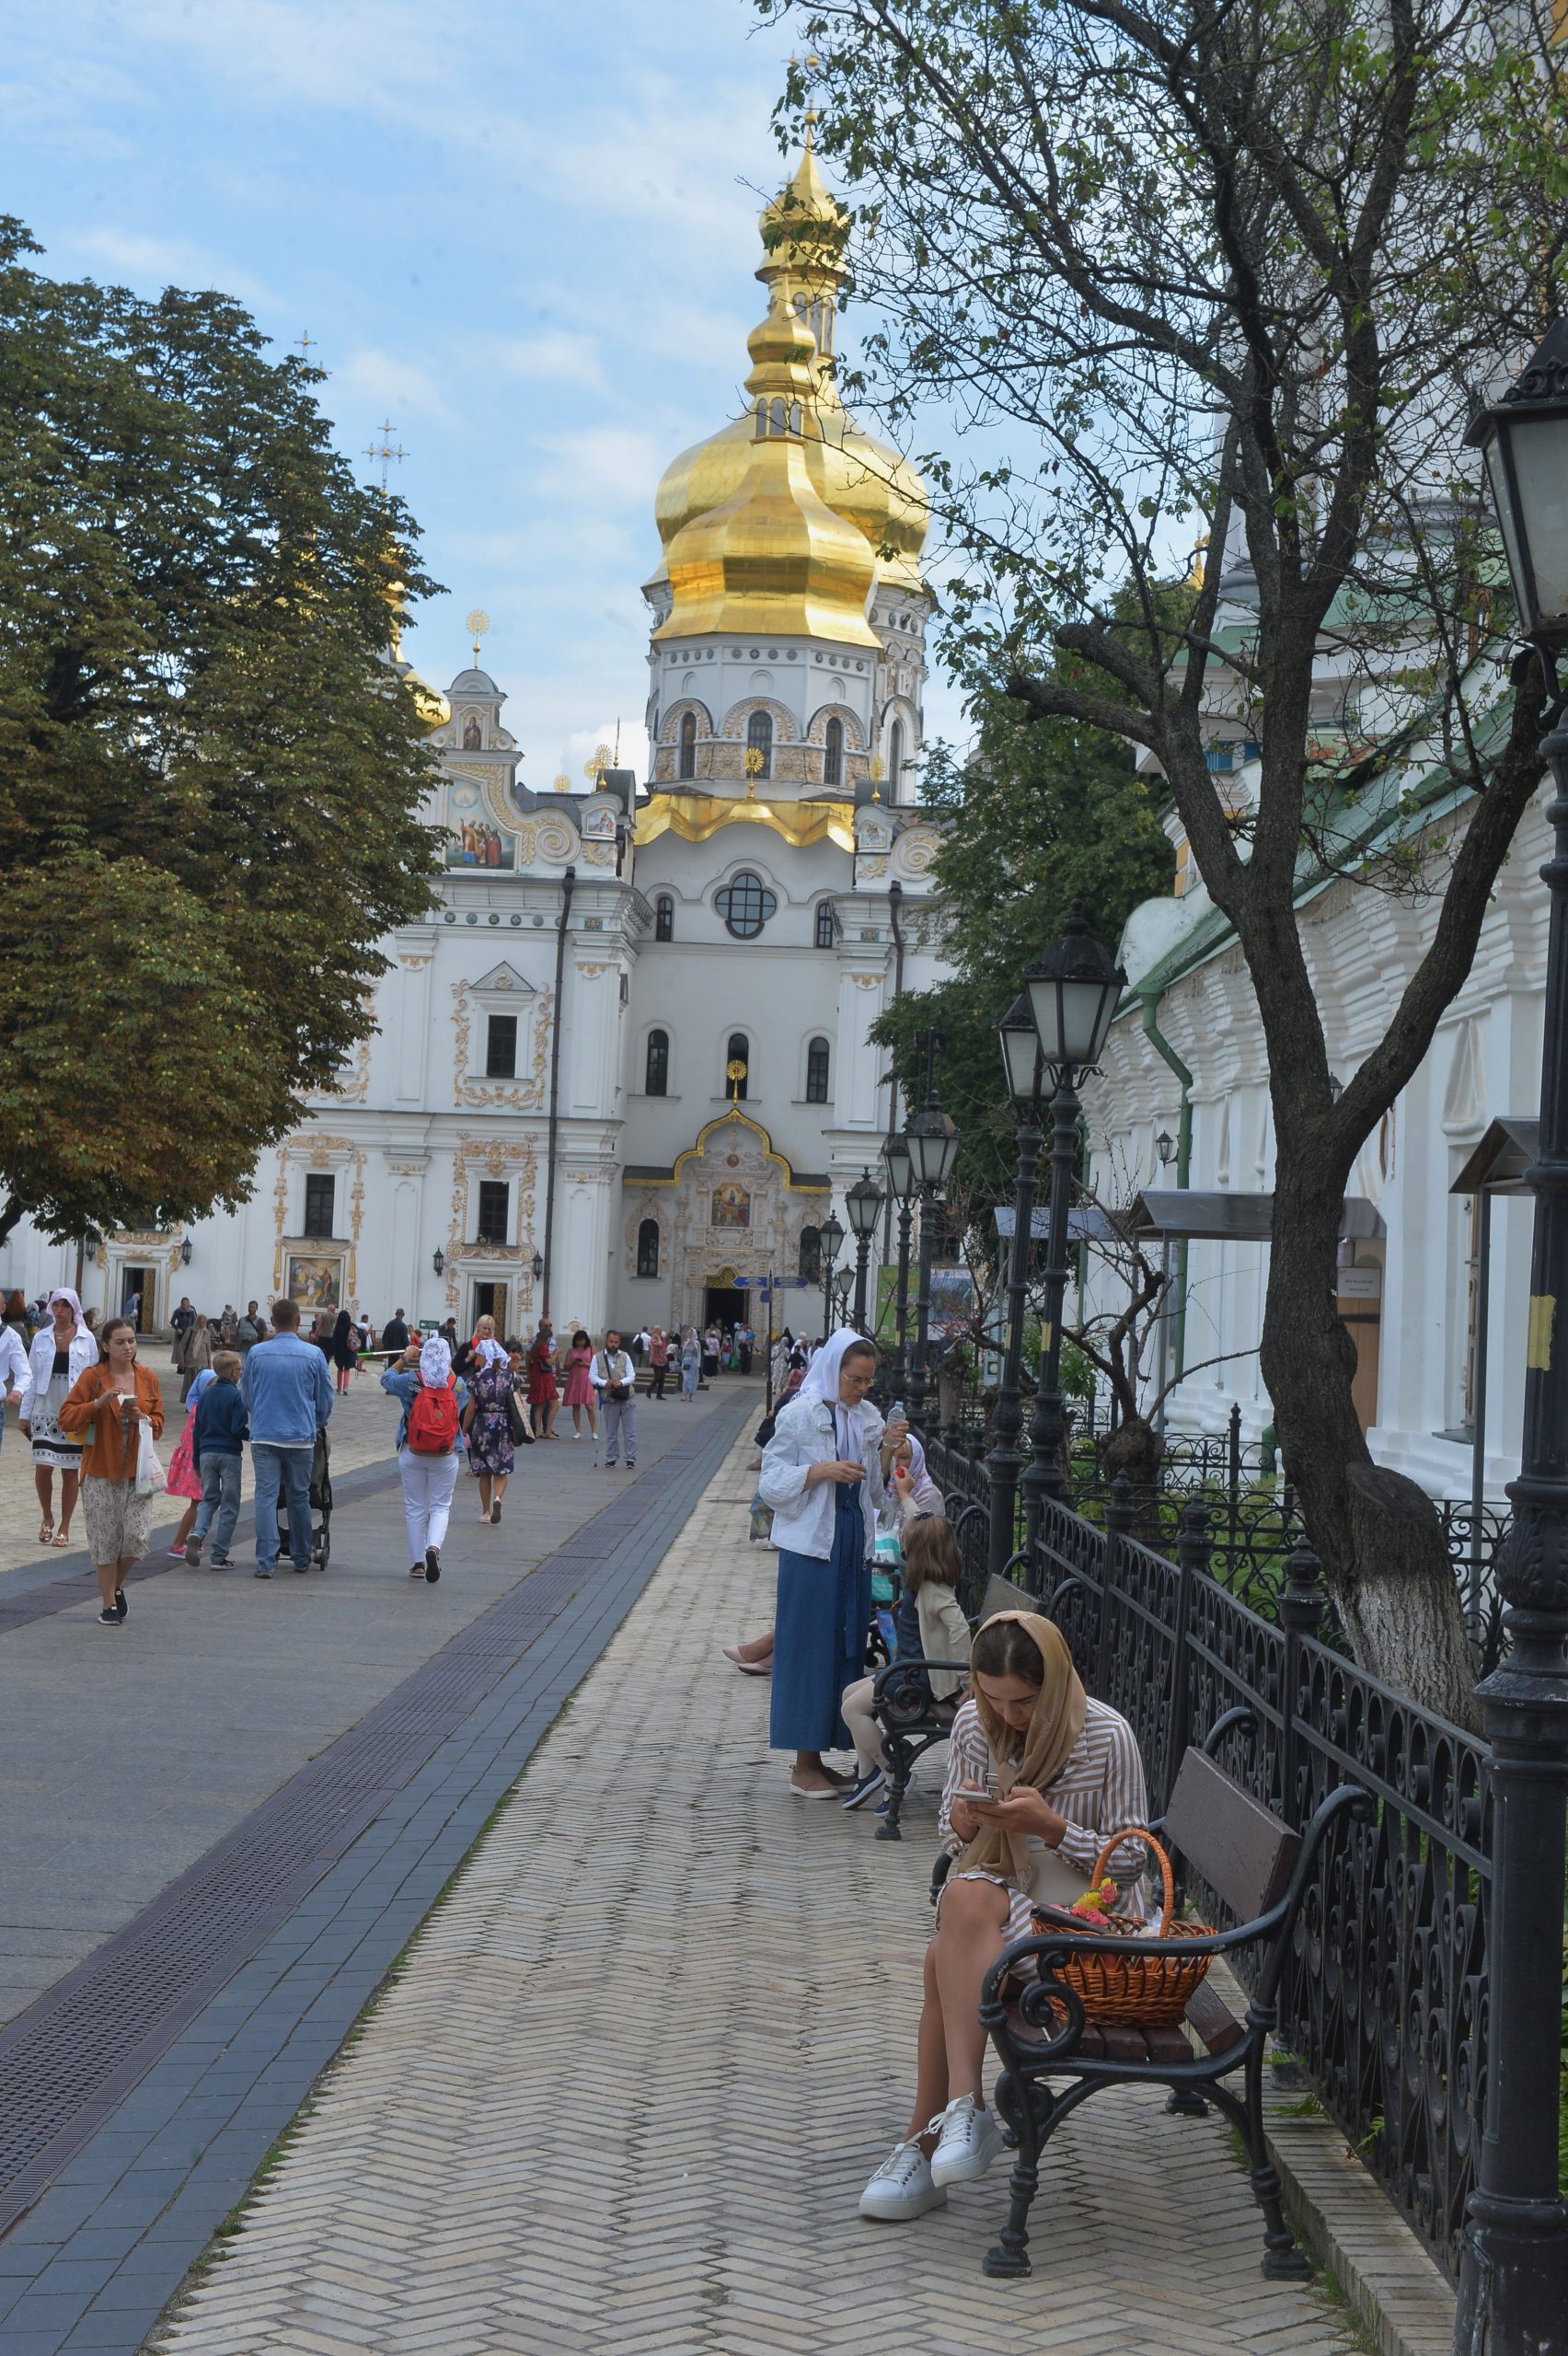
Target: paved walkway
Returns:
[[624, 2093]]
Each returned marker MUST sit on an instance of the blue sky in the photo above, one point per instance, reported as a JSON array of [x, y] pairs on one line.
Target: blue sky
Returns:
[[524, 235]]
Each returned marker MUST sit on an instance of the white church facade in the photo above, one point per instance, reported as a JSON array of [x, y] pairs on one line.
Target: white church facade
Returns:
[[624, 1062]]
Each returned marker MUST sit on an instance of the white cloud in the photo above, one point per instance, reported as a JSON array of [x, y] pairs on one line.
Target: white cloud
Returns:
[[393, 381], [158, 263], [553, 355]]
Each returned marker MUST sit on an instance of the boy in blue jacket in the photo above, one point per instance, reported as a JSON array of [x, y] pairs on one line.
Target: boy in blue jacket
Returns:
[[221, 1431]]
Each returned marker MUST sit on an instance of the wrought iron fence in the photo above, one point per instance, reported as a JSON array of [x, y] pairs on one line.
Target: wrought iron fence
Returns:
[[1385, 2005]]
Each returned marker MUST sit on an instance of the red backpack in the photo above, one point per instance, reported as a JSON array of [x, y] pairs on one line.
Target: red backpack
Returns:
[[432, 1419]]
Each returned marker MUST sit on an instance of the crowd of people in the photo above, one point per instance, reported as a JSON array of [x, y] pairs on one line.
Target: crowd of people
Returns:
[[1039, 1774]]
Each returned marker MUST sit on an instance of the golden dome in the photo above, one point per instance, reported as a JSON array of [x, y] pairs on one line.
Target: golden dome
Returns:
[[858, 480]]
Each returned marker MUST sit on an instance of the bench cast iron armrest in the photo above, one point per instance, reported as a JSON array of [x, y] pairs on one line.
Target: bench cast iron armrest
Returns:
[[897, 1668], [1050, 1949]]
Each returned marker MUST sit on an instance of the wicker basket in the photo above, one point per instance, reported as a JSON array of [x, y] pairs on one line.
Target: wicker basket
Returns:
[[1131, 1991]]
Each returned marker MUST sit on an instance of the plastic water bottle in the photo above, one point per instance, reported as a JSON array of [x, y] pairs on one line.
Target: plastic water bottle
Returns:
[[896, 1413]]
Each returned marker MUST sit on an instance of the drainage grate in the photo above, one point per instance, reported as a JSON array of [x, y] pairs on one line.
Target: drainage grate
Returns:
[[74, 2054]]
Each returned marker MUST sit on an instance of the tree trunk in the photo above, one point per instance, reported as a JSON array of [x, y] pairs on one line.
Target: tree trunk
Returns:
[[1383, 1558], [1134, 1448], [11, 1211]]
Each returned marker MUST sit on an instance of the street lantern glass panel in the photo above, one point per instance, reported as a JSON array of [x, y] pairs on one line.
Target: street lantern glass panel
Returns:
[[1073, 990], [831, 1237], [864, 1201], [933, 1145], [1524, 439], [900, 1169], [1165, 1146], [1020, 1051]]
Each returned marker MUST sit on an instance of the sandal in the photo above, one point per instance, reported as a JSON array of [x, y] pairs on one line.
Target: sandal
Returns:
[[61, 1538], [45, 1532]]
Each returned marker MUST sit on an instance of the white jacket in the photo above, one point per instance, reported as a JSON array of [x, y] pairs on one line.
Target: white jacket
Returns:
[[41, 1364], [14, 1373], [803, 1436]]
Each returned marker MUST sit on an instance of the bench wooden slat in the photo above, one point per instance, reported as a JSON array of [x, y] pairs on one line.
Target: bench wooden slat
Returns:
[[1211, 2019], [1001, 1594], [1241, 1848]]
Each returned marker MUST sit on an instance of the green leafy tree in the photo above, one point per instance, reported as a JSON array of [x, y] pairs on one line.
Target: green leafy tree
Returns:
[[1043, 813], [209, 769]]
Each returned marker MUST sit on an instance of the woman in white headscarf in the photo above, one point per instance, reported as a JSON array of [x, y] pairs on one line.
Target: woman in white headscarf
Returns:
[[60, 1351], [823, 1473], [427, 1446]]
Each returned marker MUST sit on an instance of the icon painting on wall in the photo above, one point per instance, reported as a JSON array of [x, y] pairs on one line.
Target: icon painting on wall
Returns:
[[315, 1281], [473, 840], [731, 1206]]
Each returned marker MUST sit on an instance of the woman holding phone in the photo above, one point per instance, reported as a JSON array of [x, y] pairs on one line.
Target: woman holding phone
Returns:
[[823, 1473], [1039, 1776]]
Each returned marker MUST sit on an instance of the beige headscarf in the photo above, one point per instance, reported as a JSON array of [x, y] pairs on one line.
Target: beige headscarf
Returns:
[[1045, 1746]]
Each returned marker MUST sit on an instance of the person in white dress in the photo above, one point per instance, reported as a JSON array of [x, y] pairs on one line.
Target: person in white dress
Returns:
[[62, 1350]]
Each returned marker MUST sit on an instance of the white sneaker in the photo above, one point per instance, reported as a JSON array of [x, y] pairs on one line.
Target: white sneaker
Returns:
[[968, 2143], [902, 2187]]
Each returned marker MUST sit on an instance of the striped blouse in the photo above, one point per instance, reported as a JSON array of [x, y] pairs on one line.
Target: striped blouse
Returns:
[[1100, 1789]]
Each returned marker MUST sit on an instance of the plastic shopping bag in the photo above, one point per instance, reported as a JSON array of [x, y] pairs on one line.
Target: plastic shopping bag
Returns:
[[150, 1481]]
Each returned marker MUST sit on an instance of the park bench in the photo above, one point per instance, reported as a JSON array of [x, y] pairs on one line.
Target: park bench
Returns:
[[1260, 1872], [903, 1706]]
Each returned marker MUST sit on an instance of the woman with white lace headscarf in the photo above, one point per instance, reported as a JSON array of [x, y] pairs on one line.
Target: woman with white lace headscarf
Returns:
[[433, 1399], [823, 1473]]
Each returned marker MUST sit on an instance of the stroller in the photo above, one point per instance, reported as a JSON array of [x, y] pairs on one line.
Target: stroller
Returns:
[[320, 1505]]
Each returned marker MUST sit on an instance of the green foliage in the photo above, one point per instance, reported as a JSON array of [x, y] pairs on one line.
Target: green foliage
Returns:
[[210, 772], [1044, 813]]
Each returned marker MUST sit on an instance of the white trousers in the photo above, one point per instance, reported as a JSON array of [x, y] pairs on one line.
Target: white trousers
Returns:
[[864, 1731], [428, 1484]]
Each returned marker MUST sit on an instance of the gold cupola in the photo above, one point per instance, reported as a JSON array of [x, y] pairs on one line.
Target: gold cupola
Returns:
[[773, 558], [860, 482]]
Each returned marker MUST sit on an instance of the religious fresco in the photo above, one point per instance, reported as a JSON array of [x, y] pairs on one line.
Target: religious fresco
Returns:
[[474, 841], [731, 1207], [316, 1279]]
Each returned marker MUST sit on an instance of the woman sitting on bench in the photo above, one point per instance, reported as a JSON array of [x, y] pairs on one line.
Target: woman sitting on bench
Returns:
[[1039, 1776]]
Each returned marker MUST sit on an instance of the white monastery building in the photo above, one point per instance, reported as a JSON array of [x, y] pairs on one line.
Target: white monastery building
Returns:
[[624, 1061]]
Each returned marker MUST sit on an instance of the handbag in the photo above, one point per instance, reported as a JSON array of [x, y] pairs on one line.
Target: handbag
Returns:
[[518, 1423]]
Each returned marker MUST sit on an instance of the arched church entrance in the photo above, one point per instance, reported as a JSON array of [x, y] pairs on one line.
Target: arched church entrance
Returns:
[[723, 1302]]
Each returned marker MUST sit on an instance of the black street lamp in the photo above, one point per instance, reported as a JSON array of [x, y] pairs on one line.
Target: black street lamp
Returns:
[[901, 1186], [843, 1284], [933, 1149], [1025, 1067], [538, 1264], [1514, 2276], [863, 1201], [438, 1261], [1072, 991], [831, 1244]]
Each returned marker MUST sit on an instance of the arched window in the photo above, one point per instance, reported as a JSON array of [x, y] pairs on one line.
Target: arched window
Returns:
[[778, 417], [688, 745], [663, 918], [656, 1067], [759, 739], [761, 419], [833, 754], [826, 933], [648, 1247], [816, 1072], [745, 904], [810, 1255], [894, 758], [471, 739], [737, 1085]]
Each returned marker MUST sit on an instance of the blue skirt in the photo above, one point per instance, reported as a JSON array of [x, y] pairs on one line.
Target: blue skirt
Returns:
[[819, 1634]]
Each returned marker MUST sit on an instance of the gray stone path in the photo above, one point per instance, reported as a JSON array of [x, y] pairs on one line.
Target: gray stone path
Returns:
[[622, 2095], [93, 2261], [128, 1753]]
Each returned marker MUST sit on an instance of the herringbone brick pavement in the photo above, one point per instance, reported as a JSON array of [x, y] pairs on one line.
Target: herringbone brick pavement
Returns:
[[624, 2094]]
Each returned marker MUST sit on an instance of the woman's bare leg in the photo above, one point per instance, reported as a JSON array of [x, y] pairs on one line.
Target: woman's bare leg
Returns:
[[498, 1486], [69, 1484], [43, 1482], [757, 1647], [971, 1934], [930, 2060], [484, 1480], [592, 1414]]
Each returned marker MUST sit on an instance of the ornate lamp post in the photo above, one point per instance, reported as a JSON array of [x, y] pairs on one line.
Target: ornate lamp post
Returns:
[[933, 1149], [831, 1244], [863, 1201], [901, 1186], [1072, 991], [1514, 2284], [1024, 1067]]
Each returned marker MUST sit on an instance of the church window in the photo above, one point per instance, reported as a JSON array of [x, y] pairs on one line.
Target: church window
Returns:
[[759, 739], [471, 738], [688, 745], [656, 1065], [501, 1047], [816, 1072], [319, 1190], [648, 1247], [761, 419], [663, 918], [737, 1085], [894, 755], [777, 416], [745, 905], [826, 933], [810, 1265], [495, 1201], [833, 754]]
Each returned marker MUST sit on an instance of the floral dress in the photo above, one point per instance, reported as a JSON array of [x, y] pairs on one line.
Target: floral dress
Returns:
[[489, 1434]]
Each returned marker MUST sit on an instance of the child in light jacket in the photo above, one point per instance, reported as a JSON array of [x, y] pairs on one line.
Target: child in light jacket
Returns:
[[931, 1626]]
